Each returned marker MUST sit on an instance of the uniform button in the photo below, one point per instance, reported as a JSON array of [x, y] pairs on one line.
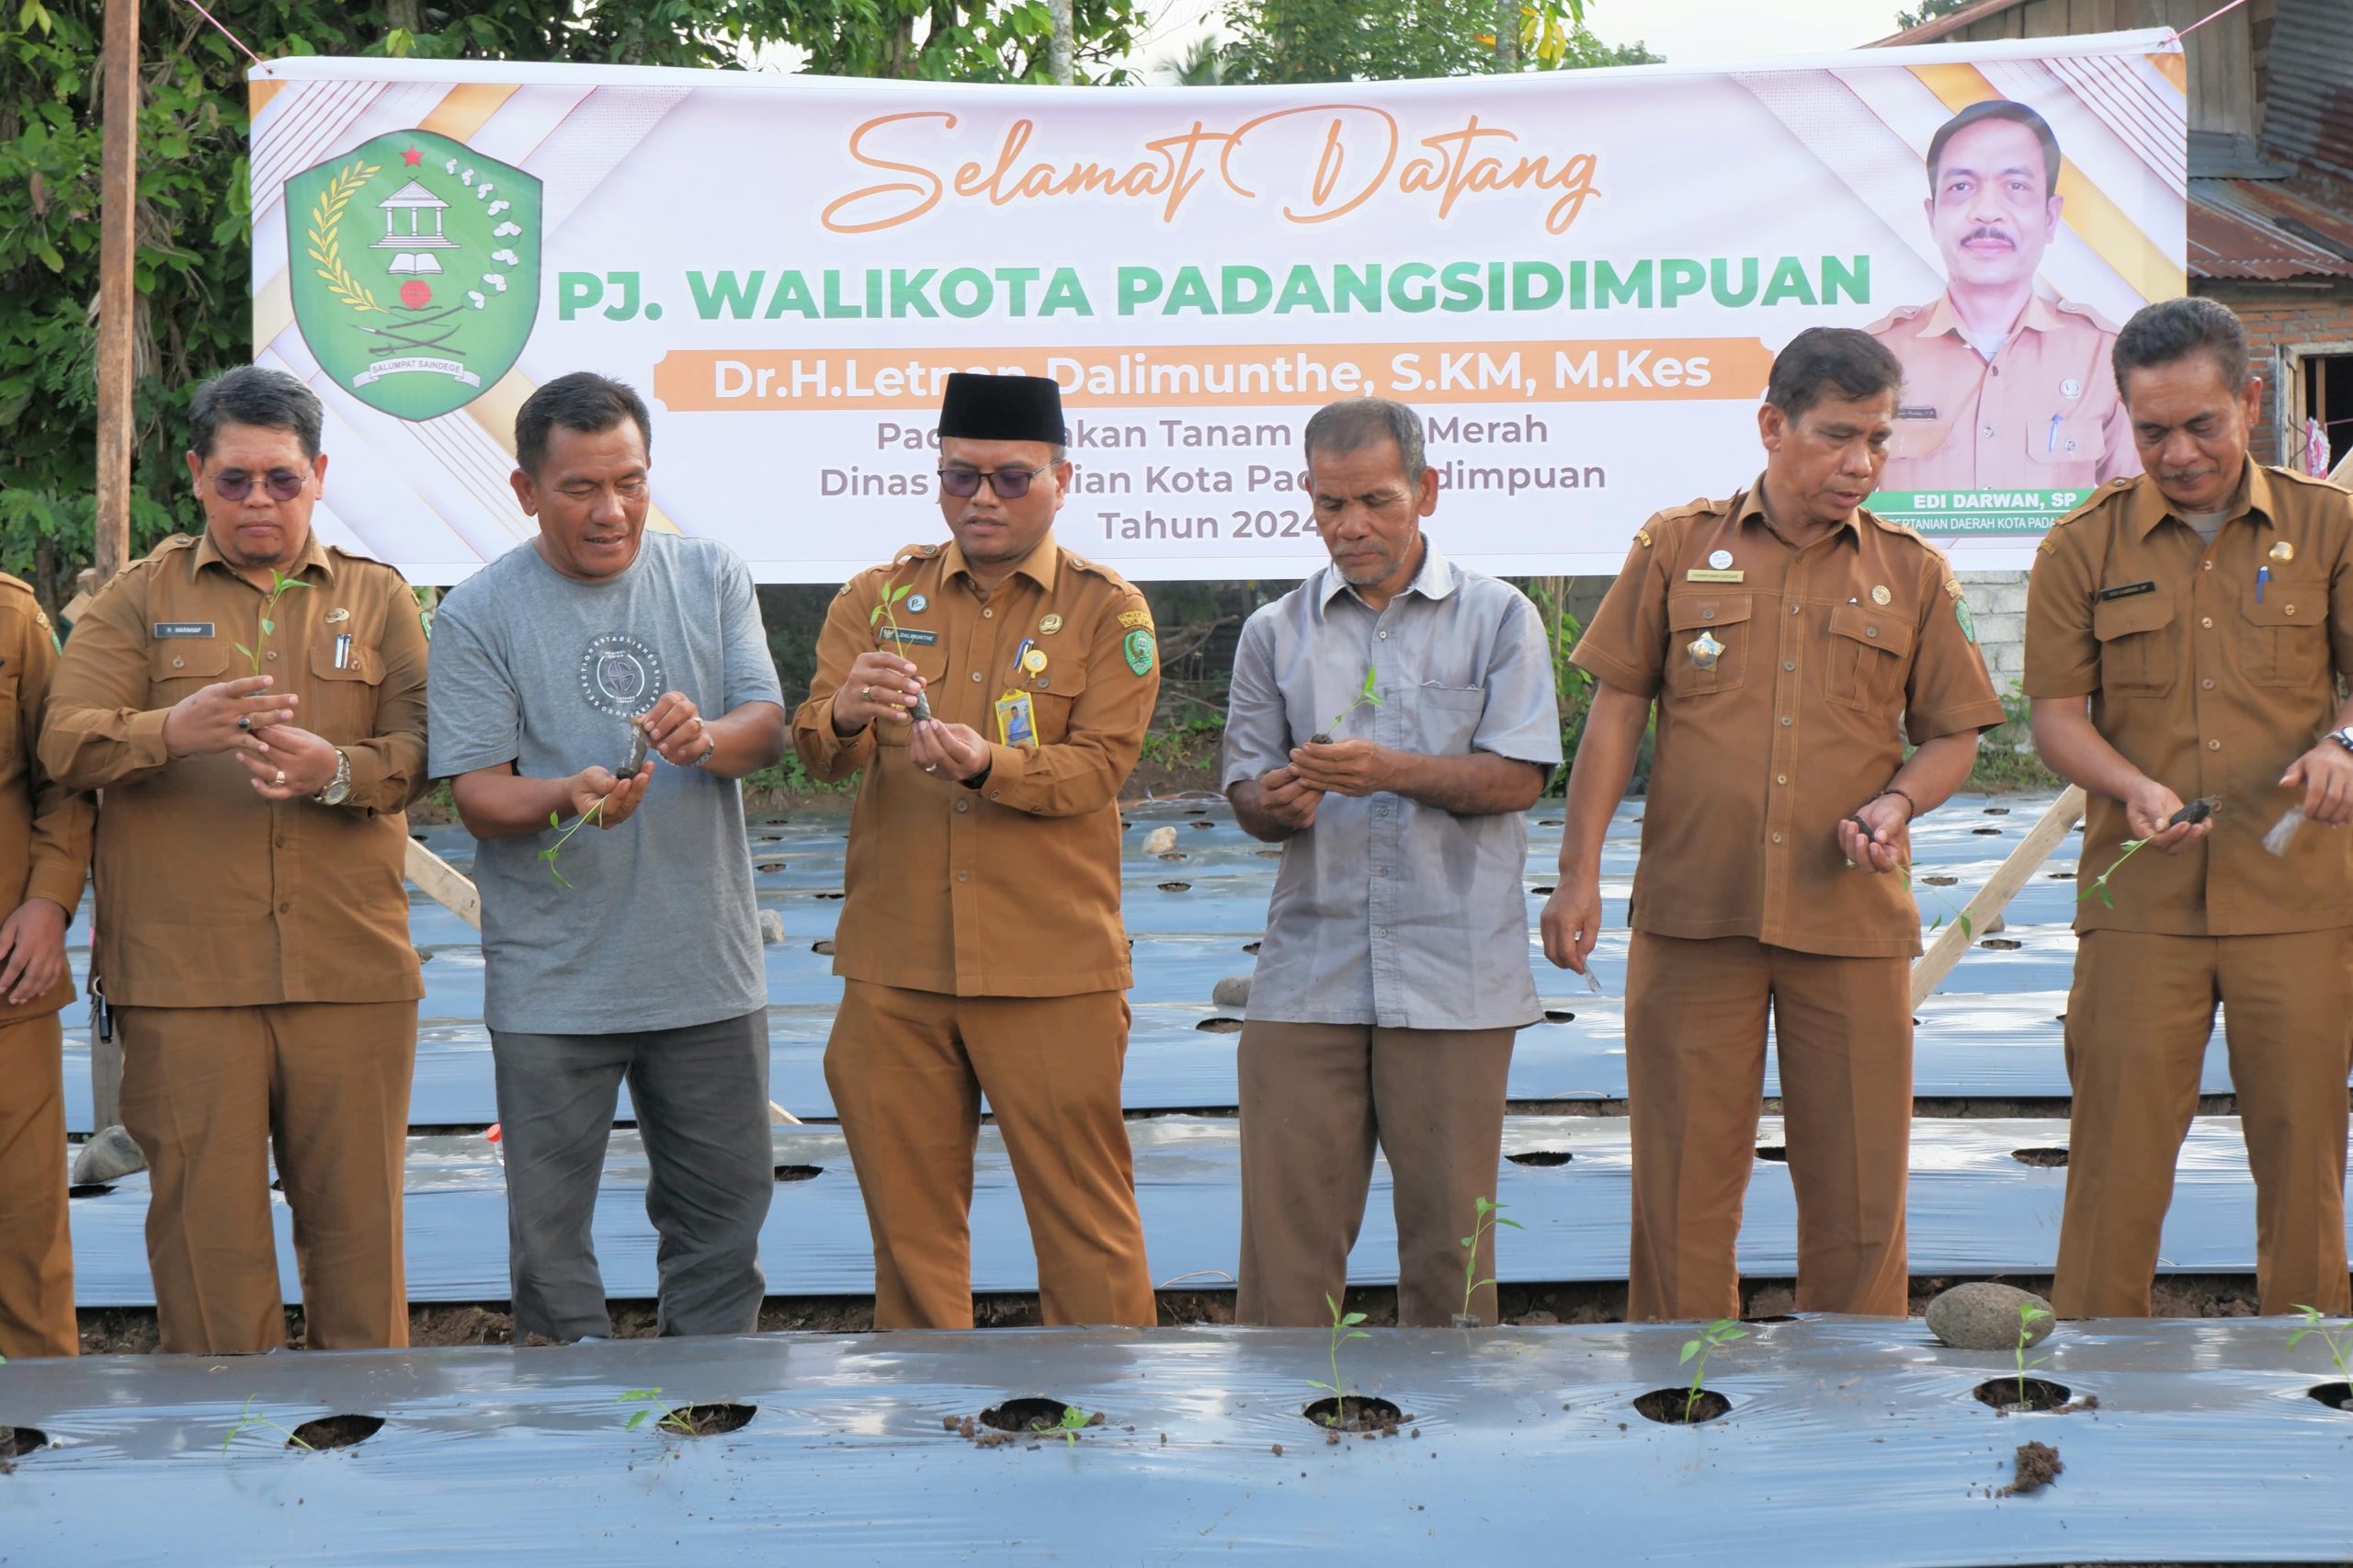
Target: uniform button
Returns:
[[976, 675], [1786, 720], [271, 654], [2208, 683], [988, 615], [963, 805], [280, 840], [2209, 566], [1777, 838], [178, 661], [1871, 631], [1781, 779], [1987, 432], [1384, 636], [1789, 664], [1794, 609], [1707, 615], [963, 876], [2207, 621], [2213, 745], [996, 794], [284, 909], [2291, 609], [1801, 561]]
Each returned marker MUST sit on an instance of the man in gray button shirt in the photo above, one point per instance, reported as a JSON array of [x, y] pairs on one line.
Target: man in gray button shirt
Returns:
[[1391, 717]]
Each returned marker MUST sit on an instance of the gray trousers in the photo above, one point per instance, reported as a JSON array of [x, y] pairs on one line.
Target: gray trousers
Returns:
[[701, 1094]]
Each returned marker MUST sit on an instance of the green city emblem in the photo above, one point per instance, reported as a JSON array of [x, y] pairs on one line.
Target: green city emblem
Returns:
[[1968, 622], [415, 266], [1138, 646]]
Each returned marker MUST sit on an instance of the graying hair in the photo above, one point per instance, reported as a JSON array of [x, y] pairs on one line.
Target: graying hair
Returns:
[[1356, 423]]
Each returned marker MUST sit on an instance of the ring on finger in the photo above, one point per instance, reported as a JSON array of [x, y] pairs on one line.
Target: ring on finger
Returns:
[[281, 777], [244, 721]]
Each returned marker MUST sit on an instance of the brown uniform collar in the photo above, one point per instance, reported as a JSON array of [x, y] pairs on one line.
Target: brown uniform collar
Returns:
[[1040, 566], [1750, 503], [2040, 317], [314, 554], [2149, 506]]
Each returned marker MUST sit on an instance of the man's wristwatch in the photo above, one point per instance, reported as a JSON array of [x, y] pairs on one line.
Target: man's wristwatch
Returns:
[[338, 788], [2343, 737]]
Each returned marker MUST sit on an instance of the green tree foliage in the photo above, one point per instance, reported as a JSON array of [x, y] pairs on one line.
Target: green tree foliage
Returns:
[[1286, 41], [194, 259], [1928, 11]]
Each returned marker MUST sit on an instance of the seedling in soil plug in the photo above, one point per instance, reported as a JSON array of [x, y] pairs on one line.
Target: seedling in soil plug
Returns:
[[593, 813], [882, 613], [250, 1419], [2340, 1356], [1367, 698], [1484, 1216], [1960, 914], [1713, 1337], [2197, 811], [2028, 1315], [1344, 1328], [278, 582], [648, 1399], [1074, 1421]]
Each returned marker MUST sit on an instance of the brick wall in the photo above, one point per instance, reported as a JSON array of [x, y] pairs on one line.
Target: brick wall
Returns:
[[2276, 319]]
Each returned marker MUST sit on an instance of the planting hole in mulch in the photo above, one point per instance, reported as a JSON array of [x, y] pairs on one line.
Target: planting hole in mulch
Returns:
[[2047, 1159], [1175, 887], [821, 947], [1997, 810], [1669, 1406], [96, 1188], [1220, 1026], [1202, 824], [1559, 1016], [2336, 1396], [1541, 890], [1777, 1153], [798, 1173], [2058, 876], [2002, 1394], [1548, 821], [1941, 881], [768, 866], [2037, 1467], [708, 1420], [1357, 1413], [1176, 855], [1250, 946], [1546, 1157], [16, 1442], [1197, 810], [1026, 1415], [335, 1431], [1268, 854], [2002, 944], [1987, 832], [833, 893]]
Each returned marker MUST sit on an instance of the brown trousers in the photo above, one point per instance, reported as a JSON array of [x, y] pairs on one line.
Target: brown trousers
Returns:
[[211, 1093], [1695, 1075], [36, 1250], [1315, 1100], [2138, 1019], [907, 1070]]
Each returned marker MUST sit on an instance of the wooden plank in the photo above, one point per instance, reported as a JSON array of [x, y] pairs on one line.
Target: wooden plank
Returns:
[[1929, 971], [450, 888]]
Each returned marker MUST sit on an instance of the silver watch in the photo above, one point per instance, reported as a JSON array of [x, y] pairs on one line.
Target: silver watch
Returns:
[[2343, 737], [338, 788]]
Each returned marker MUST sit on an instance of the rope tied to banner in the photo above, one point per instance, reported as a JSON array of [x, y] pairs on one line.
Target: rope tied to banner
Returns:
[[232, 38], [2184, 32]]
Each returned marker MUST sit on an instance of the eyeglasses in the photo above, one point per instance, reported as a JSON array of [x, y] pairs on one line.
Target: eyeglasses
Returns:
[[1010, 484], [235, 483]]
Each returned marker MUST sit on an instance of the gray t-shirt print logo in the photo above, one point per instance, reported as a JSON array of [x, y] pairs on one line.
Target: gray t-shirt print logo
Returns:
[[620, 675]]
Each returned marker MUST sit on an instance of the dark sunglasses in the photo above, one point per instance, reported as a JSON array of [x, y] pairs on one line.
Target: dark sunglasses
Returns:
[[235, 483], [1010, 484]]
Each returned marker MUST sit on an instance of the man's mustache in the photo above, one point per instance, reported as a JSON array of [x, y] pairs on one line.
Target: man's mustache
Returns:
[[1990, 232]]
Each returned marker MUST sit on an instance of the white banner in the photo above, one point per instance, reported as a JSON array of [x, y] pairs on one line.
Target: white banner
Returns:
[[1579, 279]]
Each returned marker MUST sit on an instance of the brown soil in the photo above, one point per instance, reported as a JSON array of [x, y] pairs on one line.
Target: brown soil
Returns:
[[1676, 1407], [2038, 1467], [2003, 1395], [707, 1420], [1362, 1415], [334, 1432]]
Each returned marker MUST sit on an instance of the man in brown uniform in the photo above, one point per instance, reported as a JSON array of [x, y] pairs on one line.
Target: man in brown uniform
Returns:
[[2002, 388], [2205, 610], [982, 942], [251, 924], [1793, 642], [44, 860]]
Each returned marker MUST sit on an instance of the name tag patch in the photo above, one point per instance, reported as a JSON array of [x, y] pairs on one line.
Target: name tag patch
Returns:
[[2127, 590], [1917, 411], [908, 635], [181, 629], [1714, 574]]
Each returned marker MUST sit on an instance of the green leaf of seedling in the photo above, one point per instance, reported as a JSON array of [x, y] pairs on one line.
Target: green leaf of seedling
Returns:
[[554, 820], [267, 626], [1513, 1223], [1691, 1349], [241, 648], [1466, 1241], [1967, 928], [899, 593], [636, 1419], [1351, 1320], [2103, 897]]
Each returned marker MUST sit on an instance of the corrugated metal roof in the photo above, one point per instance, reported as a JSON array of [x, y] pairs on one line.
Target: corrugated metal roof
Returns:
[[1945, 25], [2308, 113], [2267, 230]]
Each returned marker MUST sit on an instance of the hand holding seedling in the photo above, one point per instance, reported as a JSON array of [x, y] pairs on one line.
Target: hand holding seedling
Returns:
[[948, 751], [32, 950], [204, 723], [1354, 768], [1878, 837], [1288, 798], [289, 764], [1572, 921], [878, 686], [2326, 776], [674, 728], [2156, 816]]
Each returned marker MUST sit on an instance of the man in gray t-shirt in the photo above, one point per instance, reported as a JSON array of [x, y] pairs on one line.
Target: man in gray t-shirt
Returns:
[[635, 950]]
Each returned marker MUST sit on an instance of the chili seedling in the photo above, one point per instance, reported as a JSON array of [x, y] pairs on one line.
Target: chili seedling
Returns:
[[1484, 1218], [2197, 811], [1367, 698], [1712, 1338], [647, 1400], [278, 582], [881, 614], [1959, 913], [1344, 1328], [2339, 1356], [1072, 1422], [596, 813], [2028, 1315], [249, 1419]]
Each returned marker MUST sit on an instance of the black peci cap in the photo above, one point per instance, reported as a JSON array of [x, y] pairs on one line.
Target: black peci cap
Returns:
[[1002, 408]]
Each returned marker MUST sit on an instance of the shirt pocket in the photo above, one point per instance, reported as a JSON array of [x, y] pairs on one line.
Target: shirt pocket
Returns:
[[178, 667], [2284, 641], [2137, 637], [1723, 620], [1444, 717], [1870, 649], [341, 704], [2064, 440], [1919, 436], [1052, 696]]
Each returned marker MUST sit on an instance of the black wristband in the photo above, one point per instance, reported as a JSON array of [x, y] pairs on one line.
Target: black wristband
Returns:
[[1911, 806]]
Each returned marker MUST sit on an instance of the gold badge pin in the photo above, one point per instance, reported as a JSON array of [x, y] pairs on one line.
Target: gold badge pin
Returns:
[[2283, 553], [336, 614], [1705, 651], [1050, 625], [1880, 596], [1034, 660]]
